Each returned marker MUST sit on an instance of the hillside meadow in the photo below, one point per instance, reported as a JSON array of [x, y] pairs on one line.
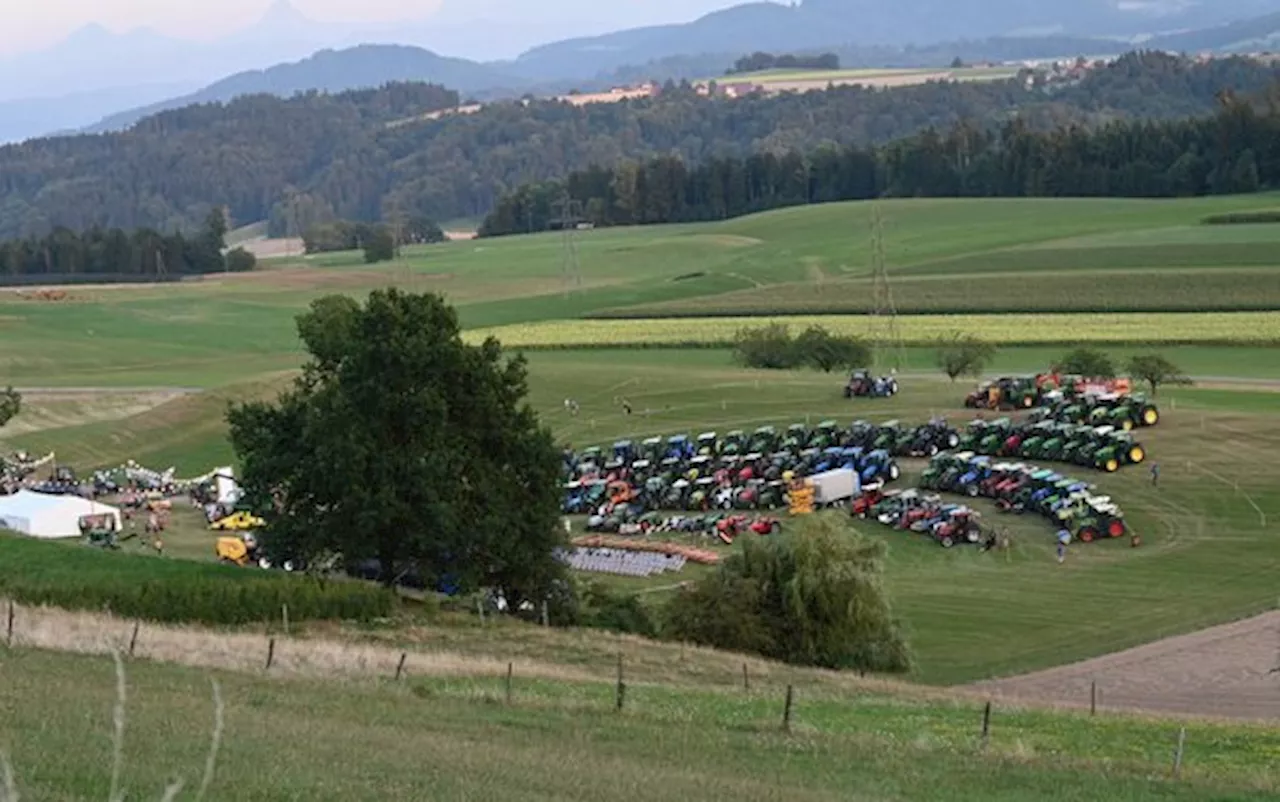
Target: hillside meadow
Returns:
[[208, 343]]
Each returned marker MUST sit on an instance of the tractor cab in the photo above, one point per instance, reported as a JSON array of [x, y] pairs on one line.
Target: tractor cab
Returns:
[[679, 446], [733, 442], [651, 448], [707, 443], [764, 439], [699, 466], [624, 451], [641, 469], [797, 436], [861, 433]]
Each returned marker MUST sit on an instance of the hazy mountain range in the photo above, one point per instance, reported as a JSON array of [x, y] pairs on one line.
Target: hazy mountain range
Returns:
[[98, 80]]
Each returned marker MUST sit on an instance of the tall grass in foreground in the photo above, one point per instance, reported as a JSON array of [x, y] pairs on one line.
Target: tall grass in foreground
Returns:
[[119, 718]]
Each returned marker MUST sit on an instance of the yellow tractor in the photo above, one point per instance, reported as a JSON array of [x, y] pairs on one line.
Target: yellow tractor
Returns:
[[244, 551], [241, 551]]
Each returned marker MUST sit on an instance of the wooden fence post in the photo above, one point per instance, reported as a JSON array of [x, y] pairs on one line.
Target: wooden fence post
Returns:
[[786, 710], [133, 640], [284, 616], [986, 725], [746, 683], [510, 671], [271, 652], [1093, 698], [9, 631], [622, 687], [400, 666], [1177, 754]]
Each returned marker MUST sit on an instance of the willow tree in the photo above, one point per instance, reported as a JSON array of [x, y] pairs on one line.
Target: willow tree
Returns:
[[810, 596]]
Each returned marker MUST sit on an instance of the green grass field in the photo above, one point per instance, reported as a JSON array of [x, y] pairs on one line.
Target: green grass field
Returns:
[[444, 738], [148, 372]]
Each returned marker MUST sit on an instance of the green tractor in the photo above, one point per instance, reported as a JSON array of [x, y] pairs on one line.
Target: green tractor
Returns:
[[733, 442], [764, 440], [1131, 411], [1032, 444], [796, 438], [973, 434], [892, 437], [994, 436], [826, 435], [1093, 518], [943, 470]]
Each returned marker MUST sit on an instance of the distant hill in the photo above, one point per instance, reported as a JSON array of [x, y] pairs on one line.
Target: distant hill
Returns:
[[1259, 31], [365, 66], [877, 25], [354, 155]]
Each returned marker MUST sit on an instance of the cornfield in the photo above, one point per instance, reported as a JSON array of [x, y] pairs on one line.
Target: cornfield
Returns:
[[1226, 328]]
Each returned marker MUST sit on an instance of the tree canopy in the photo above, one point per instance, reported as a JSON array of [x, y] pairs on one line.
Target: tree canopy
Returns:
[[810, 596], [1155, 370], [1088, 362], [351, 155], [1142, 158], [402, 444], [963, 355]]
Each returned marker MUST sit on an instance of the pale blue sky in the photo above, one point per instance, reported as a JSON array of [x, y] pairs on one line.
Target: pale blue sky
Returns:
[[43, 22]]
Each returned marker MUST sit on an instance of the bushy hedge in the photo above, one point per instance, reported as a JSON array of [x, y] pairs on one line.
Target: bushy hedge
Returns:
[[1238, 218], [175, 591]]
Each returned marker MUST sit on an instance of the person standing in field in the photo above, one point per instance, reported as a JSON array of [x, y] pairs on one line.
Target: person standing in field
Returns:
[[1064, 537], [1155, 474]]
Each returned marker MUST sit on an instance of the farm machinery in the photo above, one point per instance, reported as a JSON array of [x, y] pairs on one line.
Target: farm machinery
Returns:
[[1104, 447], [1019, 488], [1011, 392], [924, 513], [862, 384], [1120, 410], [738, 472]]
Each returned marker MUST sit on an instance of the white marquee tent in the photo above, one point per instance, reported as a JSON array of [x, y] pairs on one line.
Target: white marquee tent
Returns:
[[47, 516]]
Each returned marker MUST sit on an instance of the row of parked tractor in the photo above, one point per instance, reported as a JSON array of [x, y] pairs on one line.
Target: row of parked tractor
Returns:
[[1102, 447], [1069, 503], [678, 474], [1068, 399]]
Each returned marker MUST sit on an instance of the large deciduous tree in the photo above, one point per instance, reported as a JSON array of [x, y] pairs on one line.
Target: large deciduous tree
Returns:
[[401, 443], [1156, 370]]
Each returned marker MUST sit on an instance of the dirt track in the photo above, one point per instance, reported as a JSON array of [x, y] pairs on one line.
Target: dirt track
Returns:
[[1223, 672]]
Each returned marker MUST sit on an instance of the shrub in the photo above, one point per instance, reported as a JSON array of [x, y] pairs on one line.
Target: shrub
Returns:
[[824, 351], [241, 261], [811, 596], [603, 608], [175, 591], [770, 347], [1087, 362]]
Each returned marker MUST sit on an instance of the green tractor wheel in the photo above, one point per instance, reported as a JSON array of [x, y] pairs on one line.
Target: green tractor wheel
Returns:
[[1150, 416], [1111, 465], [1136, 453], [1126, 424], [1087, 534]]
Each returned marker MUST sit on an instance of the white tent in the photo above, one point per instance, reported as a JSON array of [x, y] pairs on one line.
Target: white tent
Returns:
[[47, 516]]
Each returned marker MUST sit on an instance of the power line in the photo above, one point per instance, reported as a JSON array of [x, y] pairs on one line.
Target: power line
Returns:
[[886, 337], [568, 214]]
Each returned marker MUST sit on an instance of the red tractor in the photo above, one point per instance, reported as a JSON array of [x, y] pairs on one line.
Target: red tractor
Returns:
[[728, 529], [871, 495]]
